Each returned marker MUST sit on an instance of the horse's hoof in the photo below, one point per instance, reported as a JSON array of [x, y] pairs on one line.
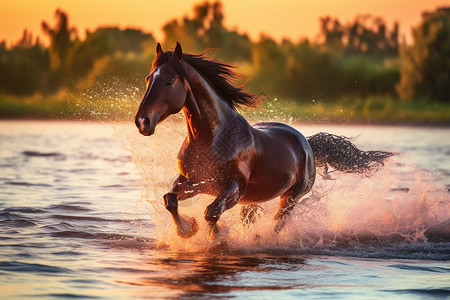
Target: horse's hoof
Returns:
[[219, 248], [187, 228], [214, 231], [171, 202], [279, 226]]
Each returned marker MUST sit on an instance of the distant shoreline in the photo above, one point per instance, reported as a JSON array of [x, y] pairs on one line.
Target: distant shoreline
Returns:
[[368, 111]]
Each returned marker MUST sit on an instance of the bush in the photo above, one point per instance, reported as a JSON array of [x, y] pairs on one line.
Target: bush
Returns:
[[425, 66]]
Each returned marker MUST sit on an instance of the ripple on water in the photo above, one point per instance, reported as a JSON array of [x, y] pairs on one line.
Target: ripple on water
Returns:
[[17, 266], [431, 292], [67, 253], [42, 154], [78, 206], [82, 218], [90, 250], [420, 268], [28, 184], [25, 210], [64, 296], [17, 223]]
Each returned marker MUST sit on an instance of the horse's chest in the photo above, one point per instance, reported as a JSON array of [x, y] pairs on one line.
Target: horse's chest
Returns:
[[197, 164]]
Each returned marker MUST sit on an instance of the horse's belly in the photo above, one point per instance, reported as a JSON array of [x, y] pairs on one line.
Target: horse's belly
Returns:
[[266, 186]]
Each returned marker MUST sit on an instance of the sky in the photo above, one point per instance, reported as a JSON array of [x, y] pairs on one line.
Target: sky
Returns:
[[293, 19]]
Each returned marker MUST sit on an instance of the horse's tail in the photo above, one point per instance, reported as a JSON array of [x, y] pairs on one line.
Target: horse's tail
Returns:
[[341, 154]]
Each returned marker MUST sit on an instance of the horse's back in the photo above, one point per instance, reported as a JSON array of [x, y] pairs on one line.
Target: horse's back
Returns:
[[276, 132], [271, 127]]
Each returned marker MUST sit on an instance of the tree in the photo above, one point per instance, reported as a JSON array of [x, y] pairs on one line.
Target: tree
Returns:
[[332, 32], [61, 40], [24, 66], [109, 41], [269, 65], [425, 66], [366, 35], [206, 30]]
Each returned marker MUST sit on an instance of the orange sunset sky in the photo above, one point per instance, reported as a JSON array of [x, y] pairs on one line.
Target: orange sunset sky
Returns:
[[293, 19]]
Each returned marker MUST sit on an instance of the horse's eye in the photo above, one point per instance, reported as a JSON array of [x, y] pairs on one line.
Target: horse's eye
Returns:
[[170, 82]]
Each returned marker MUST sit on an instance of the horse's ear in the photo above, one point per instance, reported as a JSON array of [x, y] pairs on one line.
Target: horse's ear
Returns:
[[178, 52], [158, 49]]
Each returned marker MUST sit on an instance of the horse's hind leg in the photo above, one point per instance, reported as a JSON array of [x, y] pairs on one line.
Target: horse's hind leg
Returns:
[[292, 196], [289, 199]]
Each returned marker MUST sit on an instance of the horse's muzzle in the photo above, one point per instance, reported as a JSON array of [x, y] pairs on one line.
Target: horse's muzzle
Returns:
[[145, 125]]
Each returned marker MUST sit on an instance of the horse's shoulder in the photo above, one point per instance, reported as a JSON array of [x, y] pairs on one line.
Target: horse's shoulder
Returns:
[[232, 137]]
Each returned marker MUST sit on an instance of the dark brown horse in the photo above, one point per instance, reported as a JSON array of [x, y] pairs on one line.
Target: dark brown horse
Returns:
[[223, 155]]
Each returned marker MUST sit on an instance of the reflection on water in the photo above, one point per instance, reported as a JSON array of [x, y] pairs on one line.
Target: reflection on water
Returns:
[[81, 216]]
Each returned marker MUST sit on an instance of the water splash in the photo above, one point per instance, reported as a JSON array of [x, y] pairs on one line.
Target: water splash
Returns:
[[392, 208], [111, 100], [270, 110]]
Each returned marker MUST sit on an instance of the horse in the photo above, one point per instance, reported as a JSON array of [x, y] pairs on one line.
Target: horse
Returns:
[[226, 157]]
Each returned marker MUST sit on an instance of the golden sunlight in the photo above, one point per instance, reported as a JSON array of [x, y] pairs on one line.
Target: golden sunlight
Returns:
[[285, 18]]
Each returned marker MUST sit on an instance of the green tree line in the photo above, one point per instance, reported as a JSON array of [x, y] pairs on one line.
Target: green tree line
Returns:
[[359, 59]]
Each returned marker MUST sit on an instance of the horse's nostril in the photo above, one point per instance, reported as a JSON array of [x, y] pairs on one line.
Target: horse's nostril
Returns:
[[146, 122], [142, 122]]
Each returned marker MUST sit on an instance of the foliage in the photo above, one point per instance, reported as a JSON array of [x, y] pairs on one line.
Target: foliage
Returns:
[[369, 110], [115, 77], [425, 69], [366, 35], [206, 30], [305, 72], [109, 42], [366, 110], [23, 66], [357, 60], [61, 39]]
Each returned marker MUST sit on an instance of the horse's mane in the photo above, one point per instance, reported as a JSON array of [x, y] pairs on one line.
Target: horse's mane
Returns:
[[218, 74]]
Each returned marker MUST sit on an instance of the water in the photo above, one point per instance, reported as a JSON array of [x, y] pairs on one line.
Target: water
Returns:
[[81, 216]]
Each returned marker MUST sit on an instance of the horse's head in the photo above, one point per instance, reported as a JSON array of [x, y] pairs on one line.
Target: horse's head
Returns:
[[166, 90]]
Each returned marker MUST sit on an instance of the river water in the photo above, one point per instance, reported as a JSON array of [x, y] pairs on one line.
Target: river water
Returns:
[[81, 216]]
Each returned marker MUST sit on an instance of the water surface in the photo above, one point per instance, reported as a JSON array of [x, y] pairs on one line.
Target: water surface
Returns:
[[81, 216]]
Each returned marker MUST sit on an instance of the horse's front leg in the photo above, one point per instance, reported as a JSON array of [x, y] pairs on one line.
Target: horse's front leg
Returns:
[[228, 198], [182, 189]]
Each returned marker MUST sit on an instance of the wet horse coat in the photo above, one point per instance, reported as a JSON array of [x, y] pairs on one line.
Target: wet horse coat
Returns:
[[223, 155]]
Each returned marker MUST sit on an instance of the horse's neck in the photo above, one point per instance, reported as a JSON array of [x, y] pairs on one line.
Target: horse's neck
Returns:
[[204, 110]]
